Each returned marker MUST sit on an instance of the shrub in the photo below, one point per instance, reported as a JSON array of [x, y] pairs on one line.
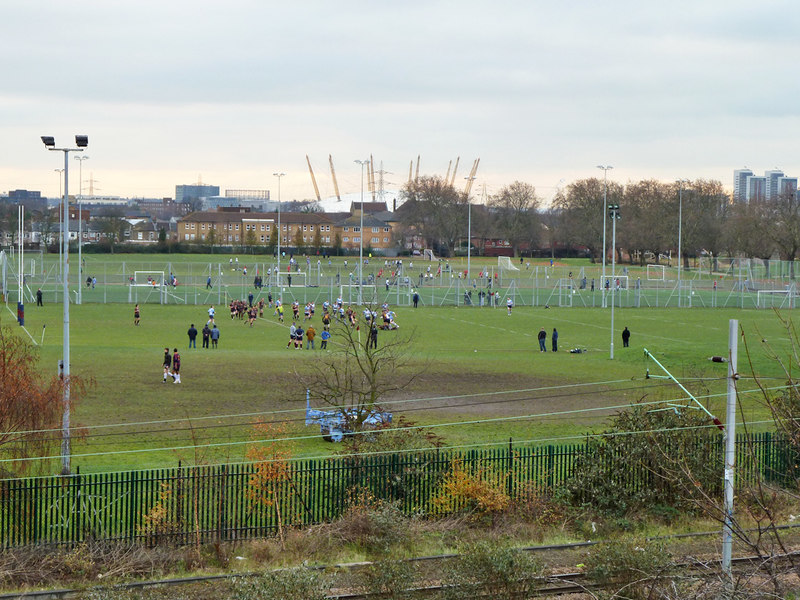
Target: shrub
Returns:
[[635, 564], [281, 585], [389, 579], [479, 494], [498, 572]]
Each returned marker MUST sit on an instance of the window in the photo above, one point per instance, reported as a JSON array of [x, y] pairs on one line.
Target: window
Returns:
[[186, 236], [237, 235], [356, 229], [262, 227], [311, 228], [327, 239], [285, 227], [387, 229], [357, 240], [385, 240], [305, 227], [192, 236], [345, 239], [347, 229], [203, 226], [237, 229], [262, 238], [376, 229], [193, 225], [375, 240], [140, 235]]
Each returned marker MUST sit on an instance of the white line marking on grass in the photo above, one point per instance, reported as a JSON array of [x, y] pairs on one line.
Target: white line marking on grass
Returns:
[[35, 343]]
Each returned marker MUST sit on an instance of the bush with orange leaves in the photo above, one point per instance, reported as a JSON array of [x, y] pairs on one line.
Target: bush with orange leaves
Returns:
[[478, 493], [30, 407], [272, 473]]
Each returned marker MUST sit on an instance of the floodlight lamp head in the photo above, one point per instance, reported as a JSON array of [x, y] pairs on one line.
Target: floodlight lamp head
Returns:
[[49, 141], [81, 141]]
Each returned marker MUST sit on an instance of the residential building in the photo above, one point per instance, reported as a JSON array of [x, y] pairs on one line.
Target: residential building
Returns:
[[771, 183], [740, 184], [756, 189]]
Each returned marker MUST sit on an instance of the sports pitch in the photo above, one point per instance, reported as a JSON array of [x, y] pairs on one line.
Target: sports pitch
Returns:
[[480, 377]]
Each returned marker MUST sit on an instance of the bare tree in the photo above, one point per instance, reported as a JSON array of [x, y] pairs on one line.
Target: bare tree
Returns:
[[356, 375], [434, 211], [516, 208]]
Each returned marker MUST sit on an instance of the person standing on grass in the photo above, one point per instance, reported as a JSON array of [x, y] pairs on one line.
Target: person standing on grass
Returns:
[[39, 297], [136, 315], [167, 364], [208, 283], [554, 339], [298, 337], [542, 340], [626, 336], [176, 366], [292, 330], [211, 313], [206, 335], [214, 336], [192, 333], [326, 335], [311, 333]]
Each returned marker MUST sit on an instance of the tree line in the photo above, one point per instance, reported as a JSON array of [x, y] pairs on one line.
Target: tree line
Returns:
[[435, 214]]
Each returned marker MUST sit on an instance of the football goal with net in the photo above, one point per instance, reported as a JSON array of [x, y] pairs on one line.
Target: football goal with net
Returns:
[[776, 298], [504, 262], [147, 286], [349, 294], [656, 273]]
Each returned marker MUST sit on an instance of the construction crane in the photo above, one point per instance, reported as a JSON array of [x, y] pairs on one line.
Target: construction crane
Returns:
[[410, 170], [447, 175], [416, 177], [471, 176], [313, 179], [335, 183], [453, 178]]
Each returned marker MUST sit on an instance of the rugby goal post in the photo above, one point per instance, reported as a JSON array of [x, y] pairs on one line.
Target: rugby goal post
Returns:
[[776, 298], [147, 278], [656, 273], [349, 294], [504, 262], [612, 282]]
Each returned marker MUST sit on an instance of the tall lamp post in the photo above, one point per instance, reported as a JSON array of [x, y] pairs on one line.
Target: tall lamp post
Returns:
[[280, 287], [469, 178], [606, 169], [680, 229], [613, 214], [81, 141], [60, 223], [363, 163], [80, 160]]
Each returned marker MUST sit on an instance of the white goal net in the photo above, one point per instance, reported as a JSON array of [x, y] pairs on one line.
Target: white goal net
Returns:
[[350, 294], [504, 262], [655, 273], [775, 298], [147, 278]]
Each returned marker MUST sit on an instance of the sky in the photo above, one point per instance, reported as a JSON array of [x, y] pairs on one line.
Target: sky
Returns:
[[228, 93]]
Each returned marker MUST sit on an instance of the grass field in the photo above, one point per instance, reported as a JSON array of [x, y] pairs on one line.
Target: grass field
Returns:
[[473, 364]]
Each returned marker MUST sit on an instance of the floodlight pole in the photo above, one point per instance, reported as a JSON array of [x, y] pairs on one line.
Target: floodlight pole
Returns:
[[60, 224], [730, 447], [280, 287], [363, 163], [470, 178], [613, 214], [605, 168], [81, 141], [680, 229], [80, 160]]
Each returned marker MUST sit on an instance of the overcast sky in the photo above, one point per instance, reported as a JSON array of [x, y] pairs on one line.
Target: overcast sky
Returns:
[[174, 91]]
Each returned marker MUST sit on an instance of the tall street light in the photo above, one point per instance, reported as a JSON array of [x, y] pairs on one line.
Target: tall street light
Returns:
[[469, 178], [613, 214], [81, 141], [363, 163], [60, 222], [680, 224], [606, 169], [280, 287], [80, 160]]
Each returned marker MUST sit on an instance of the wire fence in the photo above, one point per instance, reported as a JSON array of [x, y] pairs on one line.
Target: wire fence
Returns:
[[723, 283], [243, 501]]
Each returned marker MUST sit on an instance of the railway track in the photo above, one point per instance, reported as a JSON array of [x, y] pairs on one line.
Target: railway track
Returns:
[[551, 585]]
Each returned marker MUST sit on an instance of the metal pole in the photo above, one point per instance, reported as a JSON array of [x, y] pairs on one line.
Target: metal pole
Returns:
[[280, 288], [363, 163], [65, 439], [614, 214], [80, 160], [605, 199], [730, 446]]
